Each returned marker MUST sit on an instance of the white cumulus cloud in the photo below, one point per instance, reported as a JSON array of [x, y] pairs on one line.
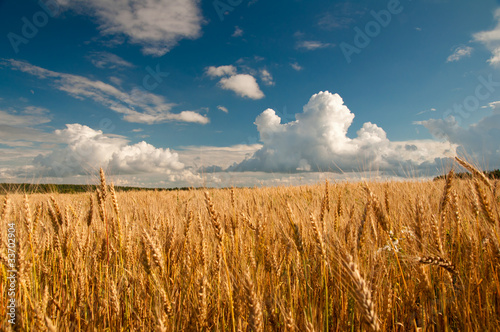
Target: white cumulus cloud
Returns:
[[86, 149], [243, 85], [317, 141], [491, 39], [220, 71]]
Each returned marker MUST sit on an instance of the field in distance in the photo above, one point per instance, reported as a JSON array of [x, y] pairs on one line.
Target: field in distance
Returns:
[[326, 257]]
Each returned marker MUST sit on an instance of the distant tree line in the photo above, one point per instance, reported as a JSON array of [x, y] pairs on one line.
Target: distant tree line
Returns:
[[67, 188], [465, 175]]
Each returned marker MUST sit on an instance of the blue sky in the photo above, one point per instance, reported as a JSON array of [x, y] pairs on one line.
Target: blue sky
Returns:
[[186, 92]]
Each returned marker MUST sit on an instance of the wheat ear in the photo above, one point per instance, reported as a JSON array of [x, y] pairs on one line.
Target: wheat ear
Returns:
[[361, 293], [475, 171], [213, 217], [438, 261], [485, 203], [104, 190], [255, 320]]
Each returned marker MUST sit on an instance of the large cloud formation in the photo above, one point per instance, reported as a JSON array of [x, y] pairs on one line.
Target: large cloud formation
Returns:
[[155, 25], [317, 141], [87, 149], [478, 141]]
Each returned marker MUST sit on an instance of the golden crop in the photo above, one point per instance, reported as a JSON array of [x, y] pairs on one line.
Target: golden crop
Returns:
[[328, 257]]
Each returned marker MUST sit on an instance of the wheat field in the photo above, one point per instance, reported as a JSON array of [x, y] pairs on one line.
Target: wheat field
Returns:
[[399, 256]]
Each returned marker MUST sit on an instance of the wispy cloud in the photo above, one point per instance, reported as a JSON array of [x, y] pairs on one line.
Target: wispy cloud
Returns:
[[116, 80], [329, 22], [106, 60], [296, 66], [459, 53], [311, 45], [266, 77], [155, 25], [29, 116], [341, 16], [223, 109], [28, 134], [238, 32], [139, 106], [20, 128], [427, 111]]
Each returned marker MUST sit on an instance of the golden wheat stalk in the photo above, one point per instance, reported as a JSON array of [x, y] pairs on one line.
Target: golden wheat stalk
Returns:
[[419, 221], [38, 214], [155, 250], [297, 235], [58, 212], [485, 203], [114, 198], [327, 195], [437, 233], [340, 209], [189, 222], [114, 299], [386, 198], [475, 171], [361, 293], [167, 306], [51, 327], [203, 303], [233, 203], [5, 208], [104, 188], [445, 200], [318, 237], [380, 215], [456, 212], [214, 217], [90, 215], [438, 261], [255, 318], [324, 209], [28, 219]]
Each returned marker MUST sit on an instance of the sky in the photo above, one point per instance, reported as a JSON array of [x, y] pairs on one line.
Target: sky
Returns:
[[175, 93]]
